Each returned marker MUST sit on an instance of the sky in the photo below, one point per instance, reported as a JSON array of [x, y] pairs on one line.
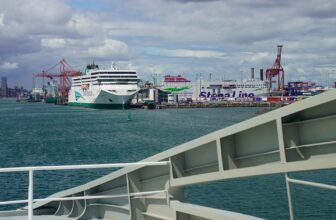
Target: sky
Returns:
[[193, 38]]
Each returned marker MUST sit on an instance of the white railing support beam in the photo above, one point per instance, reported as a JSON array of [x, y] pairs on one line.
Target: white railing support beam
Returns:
[[308, 183], [290, 206], [30, 195]]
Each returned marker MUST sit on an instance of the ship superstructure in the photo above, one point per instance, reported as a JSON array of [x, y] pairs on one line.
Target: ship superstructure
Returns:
[[104, 88]]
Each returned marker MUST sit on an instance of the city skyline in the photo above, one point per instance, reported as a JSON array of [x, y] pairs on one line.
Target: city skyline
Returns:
[[185, 37], [8, 91]]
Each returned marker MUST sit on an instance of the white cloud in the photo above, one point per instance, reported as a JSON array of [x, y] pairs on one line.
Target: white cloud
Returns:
[[9, 66], [2, 19], [85, 24], [111, 49], [186, 53], [53, 42]]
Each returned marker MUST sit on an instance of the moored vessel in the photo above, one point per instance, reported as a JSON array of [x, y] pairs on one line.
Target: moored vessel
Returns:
[[51, 91], [104, 88], [185, 89]]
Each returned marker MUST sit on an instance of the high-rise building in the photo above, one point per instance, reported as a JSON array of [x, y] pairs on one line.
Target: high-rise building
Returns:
[[4, 87]]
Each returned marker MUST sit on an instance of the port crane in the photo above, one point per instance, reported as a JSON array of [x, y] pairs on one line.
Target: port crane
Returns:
[[65, 72], [276, 71]]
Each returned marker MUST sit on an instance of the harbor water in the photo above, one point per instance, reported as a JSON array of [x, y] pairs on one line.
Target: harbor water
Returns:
[[38, 134]]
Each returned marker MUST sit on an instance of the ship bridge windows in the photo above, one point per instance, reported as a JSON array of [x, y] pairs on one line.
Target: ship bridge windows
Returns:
[[115, 83], [118, 80], [112, 77], [114, 73]]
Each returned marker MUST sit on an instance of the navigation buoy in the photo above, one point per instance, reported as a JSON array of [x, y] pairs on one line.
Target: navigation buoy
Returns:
[[129, 117]]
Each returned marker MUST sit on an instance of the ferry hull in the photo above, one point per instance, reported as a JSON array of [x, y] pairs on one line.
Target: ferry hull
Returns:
[[99, 106], [104, 99]]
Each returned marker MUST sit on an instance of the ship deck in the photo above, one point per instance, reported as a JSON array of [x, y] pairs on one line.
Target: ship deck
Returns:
[[296, 138]]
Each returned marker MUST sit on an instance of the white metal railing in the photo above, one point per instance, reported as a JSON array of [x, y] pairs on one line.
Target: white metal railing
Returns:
[[302, 182], [31, 170]]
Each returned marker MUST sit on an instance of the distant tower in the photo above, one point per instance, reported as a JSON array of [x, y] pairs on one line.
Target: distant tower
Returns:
[[4, 86], [252, 73]]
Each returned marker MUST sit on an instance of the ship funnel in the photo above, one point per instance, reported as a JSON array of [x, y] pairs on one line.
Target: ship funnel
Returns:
[[252, 73]]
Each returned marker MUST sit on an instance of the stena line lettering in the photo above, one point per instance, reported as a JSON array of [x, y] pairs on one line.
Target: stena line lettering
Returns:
[[229, 95]]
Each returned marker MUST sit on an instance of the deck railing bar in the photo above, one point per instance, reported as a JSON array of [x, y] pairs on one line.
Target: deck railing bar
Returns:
[[14, 202], [154, 178], [308, 183], [30, 170], [211, 164], [84, 166], [100, 197], [302, 182], [256, 155], [329, 117], [311, 145]]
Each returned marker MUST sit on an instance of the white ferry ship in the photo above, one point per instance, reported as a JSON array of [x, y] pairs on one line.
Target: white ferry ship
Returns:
[[104, 88]]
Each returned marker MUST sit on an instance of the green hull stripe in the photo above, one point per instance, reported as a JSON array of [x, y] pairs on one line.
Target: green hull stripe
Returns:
[[176, 89], [92, 105], [50, 100]]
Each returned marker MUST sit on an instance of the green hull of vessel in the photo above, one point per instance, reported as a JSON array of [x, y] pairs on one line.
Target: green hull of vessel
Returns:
[[102, 106], [50, 100]]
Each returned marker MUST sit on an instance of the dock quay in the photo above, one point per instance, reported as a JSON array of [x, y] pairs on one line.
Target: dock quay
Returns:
[[218, 105]]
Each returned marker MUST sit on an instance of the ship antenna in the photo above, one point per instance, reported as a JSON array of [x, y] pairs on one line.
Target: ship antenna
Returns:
[[113, 65]]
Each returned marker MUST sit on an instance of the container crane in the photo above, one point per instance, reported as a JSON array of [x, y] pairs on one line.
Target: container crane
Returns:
[[65, 72], [276, 71]]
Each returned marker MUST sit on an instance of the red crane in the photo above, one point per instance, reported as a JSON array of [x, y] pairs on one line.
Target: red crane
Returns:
[[65, 72], [276, 71]]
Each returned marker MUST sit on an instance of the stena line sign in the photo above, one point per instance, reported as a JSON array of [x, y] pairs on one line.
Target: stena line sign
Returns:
[[233, 94]]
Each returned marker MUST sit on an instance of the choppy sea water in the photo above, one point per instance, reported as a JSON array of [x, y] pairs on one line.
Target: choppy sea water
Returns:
[[34, 134]]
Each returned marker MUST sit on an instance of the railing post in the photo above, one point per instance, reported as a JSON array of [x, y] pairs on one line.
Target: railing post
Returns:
[[291, 214], [30, 195]]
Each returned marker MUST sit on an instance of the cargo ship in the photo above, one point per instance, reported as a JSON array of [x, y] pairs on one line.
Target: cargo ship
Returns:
[[104, 88], [51, 92]]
